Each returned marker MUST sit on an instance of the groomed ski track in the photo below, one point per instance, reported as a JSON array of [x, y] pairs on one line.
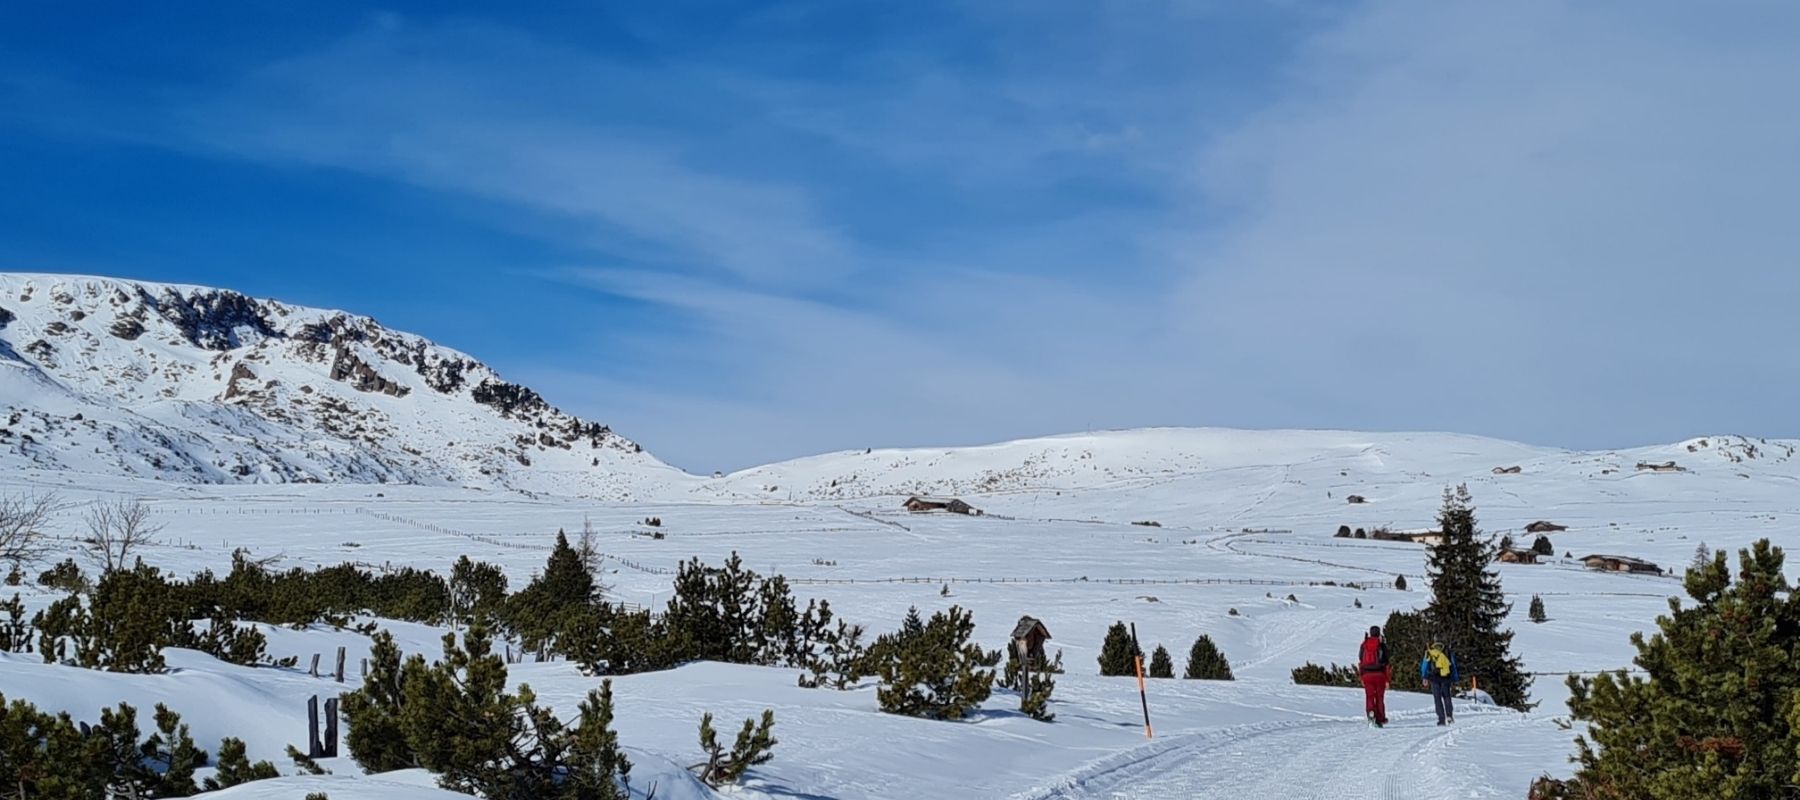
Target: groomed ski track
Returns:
[[1336, 758]]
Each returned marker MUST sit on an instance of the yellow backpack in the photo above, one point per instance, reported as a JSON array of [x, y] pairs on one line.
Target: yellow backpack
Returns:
[[1439, 662]]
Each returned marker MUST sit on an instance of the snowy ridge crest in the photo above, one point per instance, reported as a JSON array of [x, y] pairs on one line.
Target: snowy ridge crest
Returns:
[[202, 385]]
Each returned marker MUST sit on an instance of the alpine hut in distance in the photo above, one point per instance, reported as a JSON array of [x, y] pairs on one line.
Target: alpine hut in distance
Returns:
[[950, 504]]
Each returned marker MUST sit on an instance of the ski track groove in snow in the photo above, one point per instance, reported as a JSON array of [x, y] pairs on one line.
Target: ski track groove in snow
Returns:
[[1338, 758]]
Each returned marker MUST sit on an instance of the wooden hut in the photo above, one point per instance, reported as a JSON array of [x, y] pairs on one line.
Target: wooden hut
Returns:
[[1665, 466], [950, 504], [1545, 526], [1516, 556], [1356, 499], [1512, 470], [1607, 563]]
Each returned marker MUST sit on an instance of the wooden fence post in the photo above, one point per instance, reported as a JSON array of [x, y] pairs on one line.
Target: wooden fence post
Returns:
[[331, 728], [340, 665], [315, 665], [313, 750]]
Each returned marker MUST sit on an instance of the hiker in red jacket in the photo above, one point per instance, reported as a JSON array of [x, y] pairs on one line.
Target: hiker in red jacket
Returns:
[[1374, 662]]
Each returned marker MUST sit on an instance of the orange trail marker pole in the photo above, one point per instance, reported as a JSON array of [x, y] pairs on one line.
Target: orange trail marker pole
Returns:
[[1143, 696]]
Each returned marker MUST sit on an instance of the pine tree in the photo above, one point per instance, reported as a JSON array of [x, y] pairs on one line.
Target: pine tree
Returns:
[[1310, 674], [1543, 547], [597, 768], [1702, 557], [1717, 714], [933, 670], [376, 739], [477, 591], [456, 715], [539, 610], [234, 767], [1037, 686], [1119, 654], [1400, 582], [1206, 662], [755, 745], [1468, 607], [1161, 666], [1537, 609]]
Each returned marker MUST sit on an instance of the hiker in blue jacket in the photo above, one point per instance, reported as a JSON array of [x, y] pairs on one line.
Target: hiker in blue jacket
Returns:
[[1438, 670]]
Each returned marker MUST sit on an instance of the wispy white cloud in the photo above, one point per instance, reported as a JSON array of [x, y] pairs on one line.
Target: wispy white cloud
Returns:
[[1552, 221]]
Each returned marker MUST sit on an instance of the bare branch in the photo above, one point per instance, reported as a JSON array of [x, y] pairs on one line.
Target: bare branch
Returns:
[[117, 529], [22, 520]]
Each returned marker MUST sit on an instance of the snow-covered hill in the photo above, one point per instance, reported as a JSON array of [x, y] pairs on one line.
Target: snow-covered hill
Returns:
[[199, 385]]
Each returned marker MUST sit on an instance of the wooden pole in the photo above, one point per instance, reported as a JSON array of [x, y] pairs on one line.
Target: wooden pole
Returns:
[[1143, 695], [313, 750], [315, 665], [331, 728], [340, 665]]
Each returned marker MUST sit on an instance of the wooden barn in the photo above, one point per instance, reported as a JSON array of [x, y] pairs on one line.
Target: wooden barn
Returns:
[[950, 504], [1665, 466], [1607, 563], [1545, 526], [1516, 556]]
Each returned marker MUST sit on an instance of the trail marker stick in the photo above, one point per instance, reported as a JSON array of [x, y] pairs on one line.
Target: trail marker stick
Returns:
[[1143, 696]]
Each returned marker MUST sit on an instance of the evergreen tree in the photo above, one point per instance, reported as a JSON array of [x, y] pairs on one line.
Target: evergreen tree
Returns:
[[933, 671], [755, 745], [1468, 607], [1543, 547], [1036, 685], [537, 612], [1702, 557], [1161, 666], [477, 591], [1206, 662], [1118, 653], [597, 768], [376, 739], [1408, 636], [456, 715], [1717, 713], [235, 767], [16, 634], [1310, 674], [1537, 609], [1400, 582]]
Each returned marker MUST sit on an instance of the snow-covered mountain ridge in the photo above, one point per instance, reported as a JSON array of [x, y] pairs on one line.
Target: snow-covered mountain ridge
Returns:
[[190, 384], [201, 385]]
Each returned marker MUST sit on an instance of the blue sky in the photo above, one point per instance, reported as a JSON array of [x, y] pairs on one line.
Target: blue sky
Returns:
[[743, 232]]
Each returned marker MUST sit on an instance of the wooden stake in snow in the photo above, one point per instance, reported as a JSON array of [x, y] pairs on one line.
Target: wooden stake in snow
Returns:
[[1143, 695], [340, 665]]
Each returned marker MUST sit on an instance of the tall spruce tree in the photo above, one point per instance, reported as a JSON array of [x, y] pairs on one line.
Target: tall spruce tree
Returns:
[[1717, 713], [1206, 662], [1118, 654], [1536, 611], [537, 612], [1468, 607], [1161, 666]]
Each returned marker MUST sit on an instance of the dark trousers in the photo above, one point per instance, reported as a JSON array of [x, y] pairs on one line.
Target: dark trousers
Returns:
[[1441, 689]]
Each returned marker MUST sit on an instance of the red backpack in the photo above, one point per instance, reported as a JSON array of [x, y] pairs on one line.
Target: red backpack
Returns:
[[1374, 655]]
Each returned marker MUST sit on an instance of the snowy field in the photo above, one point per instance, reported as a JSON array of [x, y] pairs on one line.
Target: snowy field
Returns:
[[1246, 519]]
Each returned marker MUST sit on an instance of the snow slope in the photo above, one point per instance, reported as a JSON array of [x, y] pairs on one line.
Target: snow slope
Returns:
[[185, 383], [290, 432], [1244, 526]]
